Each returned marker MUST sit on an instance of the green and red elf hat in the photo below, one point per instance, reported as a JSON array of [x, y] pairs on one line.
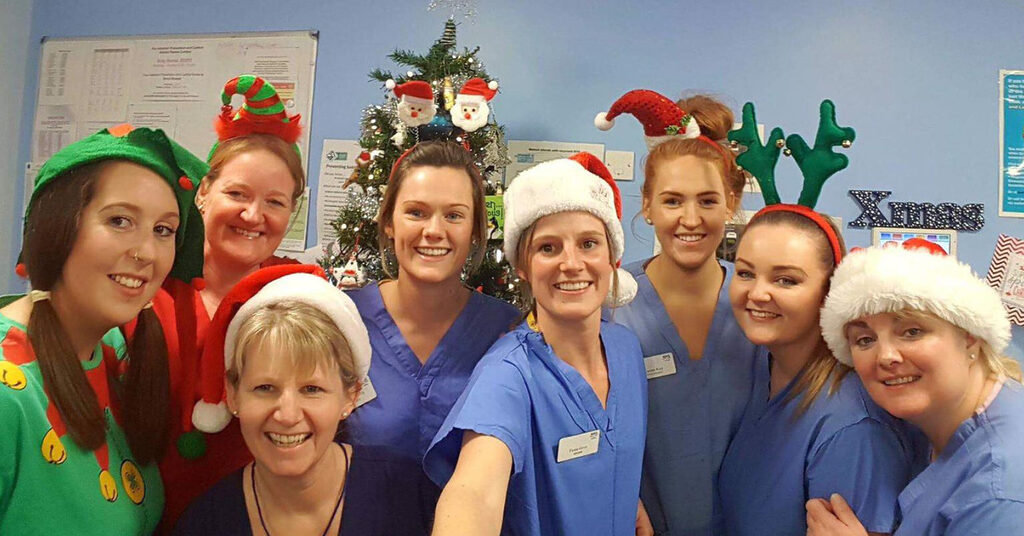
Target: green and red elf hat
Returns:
[[261, 113], [152, 149]]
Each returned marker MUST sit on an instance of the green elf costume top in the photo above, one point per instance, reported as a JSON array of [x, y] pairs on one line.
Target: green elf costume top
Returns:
[[48, 483]]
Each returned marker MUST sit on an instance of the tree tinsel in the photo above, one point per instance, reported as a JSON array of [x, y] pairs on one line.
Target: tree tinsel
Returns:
[[443, 65]]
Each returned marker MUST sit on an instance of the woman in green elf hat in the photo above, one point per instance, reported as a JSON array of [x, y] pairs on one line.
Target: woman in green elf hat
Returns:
[[84, 413]]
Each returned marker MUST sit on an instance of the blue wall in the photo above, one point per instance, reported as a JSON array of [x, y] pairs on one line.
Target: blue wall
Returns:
[[917, 79]]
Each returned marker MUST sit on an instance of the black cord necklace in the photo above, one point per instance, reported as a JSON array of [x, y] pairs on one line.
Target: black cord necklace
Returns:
[[341, 497]]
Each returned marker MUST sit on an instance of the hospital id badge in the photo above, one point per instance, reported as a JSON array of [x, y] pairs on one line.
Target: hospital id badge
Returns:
[[660, 365], [578, 446], [367, 393]]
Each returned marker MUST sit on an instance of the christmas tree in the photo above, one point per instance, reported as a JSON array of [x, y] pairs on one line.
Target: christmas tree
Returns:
[[404, 119]]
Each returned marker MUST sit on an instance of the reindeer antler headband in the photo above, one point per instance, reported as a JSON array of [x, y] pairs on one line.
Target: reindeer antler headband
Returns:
[[816, 164]]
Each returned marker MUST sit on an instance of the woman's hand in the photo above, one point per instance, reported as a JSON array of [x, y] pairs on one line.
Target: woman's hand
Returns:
[[832, 518], [643, 523]]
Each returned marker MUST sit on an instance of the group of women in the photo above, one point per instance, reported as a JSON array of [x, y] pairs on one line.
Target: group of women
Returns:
[[163, 378]]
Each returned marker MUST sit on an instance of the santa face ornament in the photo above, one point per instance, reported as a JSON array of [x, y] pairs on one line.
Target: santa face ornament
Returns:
[[470, 114], [414, 112]]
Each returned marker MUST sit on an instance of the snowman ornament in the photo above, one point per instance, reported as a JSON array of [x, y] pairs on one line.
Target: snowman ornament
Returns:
[[415, 102], [471, 109]]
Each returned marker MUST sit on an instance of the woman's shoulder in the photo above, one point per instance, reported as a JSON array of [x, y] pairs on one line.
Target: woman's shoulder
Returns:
[[493, 305], [221, 510]]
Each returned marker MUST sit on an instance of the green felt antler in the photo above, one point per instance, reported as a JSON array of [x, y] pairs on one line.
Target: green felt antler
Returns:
[[820, 163], [759, 160]]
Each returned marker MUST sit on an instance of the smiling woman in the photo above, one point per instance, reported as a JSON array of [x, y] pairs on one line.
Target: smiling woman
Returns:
[[926, 336], [294, 350], [427, 328], [548, 436], [110, 217], [810, 430]]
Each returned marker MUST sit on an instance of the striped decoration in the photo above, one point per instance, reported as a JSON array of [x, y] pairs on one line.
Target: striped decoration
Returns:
[[1007, 247]]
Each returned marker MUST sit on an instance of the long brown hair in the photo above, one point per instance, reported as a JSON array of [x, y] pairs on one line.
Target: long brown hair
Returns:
[[822, 365], [50, 234], [441, 154]]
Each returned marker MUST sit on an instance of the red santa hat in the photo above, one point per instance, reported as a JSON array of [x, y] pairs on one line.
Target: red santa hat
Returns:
[[475, 89], [662, 119], [579, 183], [919, 276], [287, 282], [413, 89]]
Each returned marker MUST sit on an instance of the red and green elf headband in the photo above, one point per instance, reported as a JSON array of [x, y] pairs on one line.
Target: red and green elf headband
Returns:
[[261, 113]]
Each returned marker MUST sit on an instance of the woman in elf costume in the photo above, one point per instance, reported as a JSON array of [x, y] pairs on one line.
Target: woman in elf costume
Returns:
[[247, 199], [85, 414], [699, 364]]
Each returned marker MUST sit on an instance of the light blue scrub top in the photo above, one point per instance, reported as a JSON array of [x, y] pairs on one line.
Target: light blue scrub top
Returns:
[[843, 444], [413, 398], [694, 413], [976, 486], [525, 396]]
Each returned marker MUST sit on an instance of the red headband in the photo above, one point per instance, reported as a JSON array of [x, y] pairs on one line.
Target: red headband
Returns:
[[811, 214], [718, 147]]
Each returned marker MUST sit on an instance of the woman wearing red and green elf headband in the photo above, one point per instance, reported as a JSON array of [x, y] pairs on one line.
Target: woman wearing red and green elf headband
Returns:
[[84, 413], [247, 200]]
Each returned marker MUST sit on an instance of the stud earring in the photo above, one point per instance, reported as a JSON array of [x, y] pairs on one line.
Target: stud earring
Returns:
[[974, 356], [201, 206], [648, 221], [234, 412], [344, 415]]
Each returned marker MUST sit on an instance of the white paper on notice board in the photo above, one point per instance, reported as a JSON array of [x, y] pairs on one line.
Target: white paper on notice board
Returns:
[[337, 161], [526, 154]]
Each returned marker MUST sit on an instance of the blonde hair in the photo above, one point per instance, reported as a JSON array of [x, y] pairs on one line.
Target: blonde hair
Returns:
[[299, 332], [998, 366]]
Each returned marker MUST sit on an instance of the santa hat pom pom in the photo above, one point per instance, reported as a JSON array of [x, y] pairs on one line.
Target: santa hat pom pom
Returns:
[[602, 123], [492, 85], [210, 418], [390, 84], [625, 291]]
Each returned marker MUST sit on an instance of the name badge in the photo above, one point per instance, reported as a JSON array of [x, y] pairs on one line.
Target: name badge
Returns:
[[578, 446], [367, 393], [660, 365]]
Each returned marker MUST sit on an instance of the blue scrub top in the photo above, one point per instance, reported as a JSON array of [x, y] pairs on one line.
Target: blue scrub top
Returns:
[[524, 395], [413, 398], [843, 444], [694, 413], [976, 486]]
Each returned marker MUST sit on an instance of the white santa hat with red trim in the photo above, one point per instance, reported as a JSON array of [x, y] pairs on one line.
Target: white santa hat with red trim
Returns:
[[476, 90], [579, 183], [916, 276], [662, 119], [288, 282]]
